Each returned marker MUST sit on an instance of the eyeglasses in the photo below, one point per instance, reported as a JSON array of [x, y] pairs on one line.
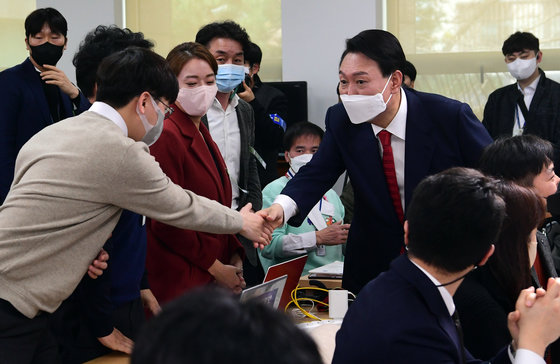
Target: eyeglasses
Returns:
[[168, 109]]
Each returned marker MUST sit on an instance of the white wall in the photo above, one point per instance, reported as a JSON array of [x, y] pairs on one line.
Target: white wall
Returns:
[[313, 39], [82, 17]]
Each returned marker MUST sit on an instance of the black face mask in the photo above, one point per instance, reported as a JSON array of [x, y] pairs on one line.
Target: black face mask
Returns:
[[46, 53]]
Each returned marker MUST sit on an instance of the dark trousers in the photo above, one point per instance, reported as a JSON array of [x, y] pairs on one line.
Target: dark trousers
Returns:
[[24, 340], [77, 343]]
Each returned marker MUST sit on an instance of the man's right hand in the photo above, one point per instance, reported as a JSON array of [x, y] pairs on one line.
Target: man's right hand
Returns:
[[538, 325], [273, 214], [334, 234], [117, 341], [255, 227]]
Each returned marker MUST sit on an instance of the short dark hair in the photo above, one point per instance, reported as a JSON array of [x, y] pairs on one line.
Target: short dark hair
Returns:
[[126, 74], [519, 158], [227, 29], [98, 44], [253, 54], [510, 261], [184, 52], [409, 70], [208, 325], [35, 21], [380, 46], [297, 130], [519, 41], [453, 218]]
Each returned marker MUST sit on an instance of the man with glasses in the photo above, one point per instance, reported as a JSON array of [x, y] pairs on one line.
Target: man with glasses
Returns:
[[72, 181], [532, 104]]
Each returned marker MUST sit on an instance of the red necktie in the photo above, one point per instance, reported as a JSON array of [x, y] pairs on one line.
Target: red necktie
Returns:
[[390, 174]]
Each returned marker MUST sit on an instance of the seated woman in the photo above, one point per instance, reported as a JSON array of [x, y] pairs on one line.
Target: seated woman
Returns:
[[322, 235], [488, 294], [178, 260]]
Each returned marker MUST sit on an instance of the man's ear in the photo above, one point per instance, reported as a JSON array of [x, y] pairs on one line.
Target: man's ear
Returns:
[[487, 255], [396, 81], [287, 156], [256, 68], [539, 57], [143, 99], [27, 44]]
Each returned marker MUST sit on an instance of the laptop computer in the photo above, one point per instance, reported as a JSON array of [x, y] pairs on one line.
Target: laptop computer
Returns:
[[332, 270], [293, 269], [268, 292]]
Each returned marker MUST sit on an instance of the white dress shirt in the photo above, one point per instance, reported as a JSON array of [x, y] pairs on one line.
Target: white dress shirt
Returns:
[[224, 129], [397, 128], [528, 94], [110, 113]]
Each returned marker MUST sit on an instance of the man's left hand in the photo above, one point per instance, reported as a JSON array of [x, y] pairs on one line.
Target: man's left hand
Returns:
[[247, 94], [55, 76]]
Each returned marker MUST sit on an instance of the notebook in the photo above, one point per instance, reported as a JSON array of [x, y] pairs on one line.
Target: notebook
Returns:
[[332, 270], [293, 269], [268, 292]]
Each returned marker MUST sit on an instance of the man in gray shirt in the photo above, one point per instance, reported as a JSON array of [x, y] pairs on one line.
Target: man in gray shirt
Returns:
[[72, 181]]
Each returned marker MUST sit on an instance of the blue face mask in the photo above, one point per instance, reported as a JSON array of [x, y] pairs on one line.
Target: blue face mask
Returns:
[[229, 77]]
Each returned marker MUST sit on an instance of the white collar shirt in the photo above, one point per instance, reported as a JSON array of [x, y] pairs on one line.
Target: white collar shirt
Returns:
[[110, 113], [224, 129], [397, 128], [528, 94]]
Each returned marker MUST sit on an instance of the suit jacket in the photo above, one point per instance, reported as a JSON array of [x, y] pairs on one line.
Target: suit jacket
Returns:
[[179, 259], [544, 113], [400, 317], [248, 174], [23, 113], [440, 133]]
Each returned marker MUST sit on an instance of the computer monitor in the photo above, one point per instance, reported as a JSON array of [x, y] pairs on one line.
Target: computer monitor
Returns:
[[296, 93]]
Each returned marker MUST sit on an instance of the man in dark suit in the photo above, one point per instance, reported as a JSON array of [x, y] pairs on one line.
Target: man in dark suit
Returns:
[[231, 123], [423, 133], [532, 104], [35, 94], [271, 107], [407, 314]]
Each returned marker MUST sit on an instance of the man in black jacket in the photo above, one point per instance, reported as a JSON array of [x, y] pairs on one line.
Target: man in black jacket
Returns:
[[532, 104], [271, 108]]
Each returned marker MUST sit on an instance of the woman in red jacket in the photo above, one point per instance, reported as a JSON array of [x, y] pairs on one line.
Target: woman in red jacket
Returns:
[[178, 259]]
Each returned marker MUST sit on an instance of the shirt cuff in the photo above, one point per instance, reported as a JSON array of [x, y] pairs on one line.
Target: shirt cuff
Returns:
[[294, 244], [288, 205], [525, 356]]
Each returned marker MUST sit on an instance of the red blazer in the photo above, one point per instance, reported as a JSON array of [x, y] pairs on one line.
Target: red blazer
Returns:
[[178, 259]]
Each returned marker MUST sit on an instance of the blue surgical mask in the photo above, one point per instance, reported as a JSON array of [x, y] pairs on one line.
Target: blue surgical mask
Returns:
[[229, 77]]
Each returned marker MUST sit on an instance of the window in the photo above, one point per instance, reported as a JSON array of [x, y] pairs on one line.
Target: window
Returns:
[[456, 45], [12, 32], [171, 22]]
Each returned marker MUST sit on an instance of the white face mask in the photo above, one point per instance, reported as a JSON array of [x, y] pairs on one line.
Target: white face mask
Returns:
[[299, 161], [196, 101], [152, 131], [363, 108], [522, 69]]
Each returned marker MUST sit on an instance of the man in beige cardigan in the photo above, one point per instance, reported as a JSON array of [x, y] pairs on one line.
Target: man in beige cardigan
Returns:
[[72, 181]]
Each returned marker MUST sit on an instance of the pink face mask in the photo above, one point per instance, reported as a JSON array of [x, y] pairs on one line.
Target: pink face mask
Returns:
[[197, 100]]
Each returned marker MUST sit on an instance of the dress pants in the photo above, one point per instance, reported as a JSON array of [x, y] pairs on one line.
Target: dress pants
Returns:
[[24, 340]]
